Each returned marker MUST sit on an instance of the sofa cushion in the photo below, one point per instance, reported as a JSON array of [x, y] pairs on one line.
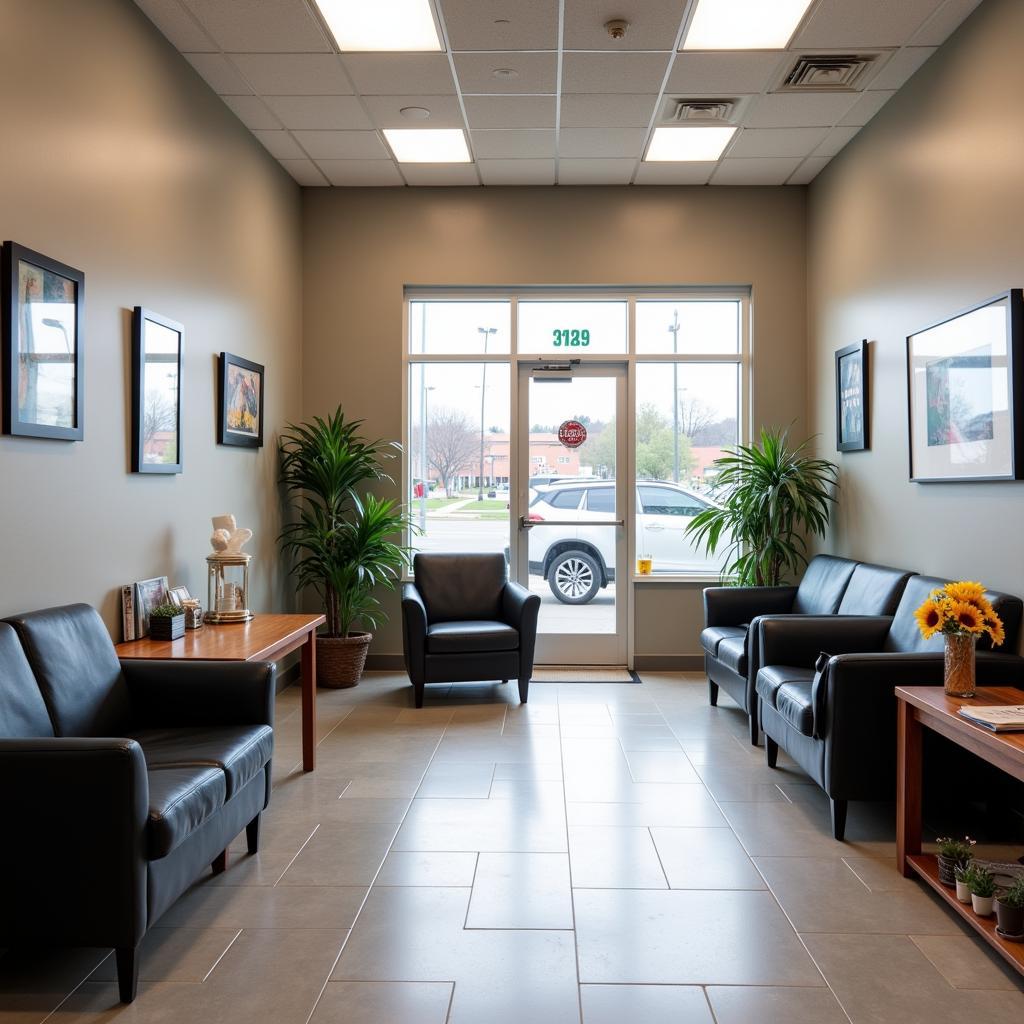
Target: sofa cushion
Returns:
[[904, 633], [793, 703], [732, 652], [460, 586], [711, 637], [823, 585], [241, 751], [22, 710], [180, 800], [772, 677], [874, 590], [471, 637]]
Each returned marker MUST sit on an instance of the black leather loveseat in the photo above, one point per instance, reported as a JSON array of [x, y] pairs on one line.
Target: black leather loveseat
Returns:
[[119, 782], [830, 586], [841, 726]]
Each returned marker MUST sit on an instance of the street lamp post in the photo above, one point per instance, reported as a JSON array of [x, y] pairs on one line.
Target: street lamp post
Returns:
[[486, 332], [674, 330]]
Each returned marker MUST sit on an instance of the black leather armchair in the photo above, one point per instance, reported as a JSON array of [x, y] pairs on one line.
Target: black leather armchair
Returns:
[[841, 726], [463, 620], [119, 783]]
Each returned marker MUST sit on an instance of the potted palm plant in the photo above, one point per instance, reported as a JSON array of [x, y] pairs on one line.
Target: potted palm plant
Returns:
[[345, 542], [774, 494]]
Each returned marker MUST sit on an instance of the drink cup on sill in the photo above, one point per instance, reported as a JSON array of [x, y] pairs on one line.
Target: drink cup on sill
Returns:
[[644, 565]]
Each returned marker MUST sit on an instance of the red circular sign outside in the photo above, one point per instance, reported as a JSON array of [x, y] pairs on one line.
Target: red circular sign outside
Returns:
[[572, 433]]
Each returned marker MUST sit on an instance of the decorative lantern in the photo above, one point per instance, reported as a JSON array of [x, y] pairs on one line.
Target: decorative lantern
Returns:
[[228, 587]]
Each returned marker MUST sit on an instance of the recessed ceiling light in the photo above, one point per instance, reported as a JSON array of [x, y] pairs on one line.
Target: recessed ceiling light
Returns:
[[428, 145], [693, 142], [384, 25], [505, 73], [415, 113], [744, 24]]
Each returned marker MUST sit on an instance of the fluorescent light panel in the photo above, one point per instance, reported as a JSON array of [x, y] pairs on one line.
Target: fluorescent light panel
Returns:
[[692, 142], [381, 25], [428, 145], [744, 24]]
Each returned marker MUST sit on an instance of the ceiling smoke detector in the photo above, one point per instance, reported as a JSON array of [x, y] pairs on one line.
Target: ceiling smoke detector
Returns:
[[415, 113], [616, 28], [505, 73]]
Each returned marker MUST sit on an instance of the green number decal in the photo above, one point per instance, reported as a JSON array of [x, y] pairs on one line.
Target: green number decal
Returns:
[[575, 340], [557, 334], [585, 336]]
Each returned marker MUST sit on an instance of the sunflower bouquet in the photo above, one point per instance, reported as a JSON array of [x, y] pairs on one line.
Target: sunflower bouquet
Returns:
[[960, 609]]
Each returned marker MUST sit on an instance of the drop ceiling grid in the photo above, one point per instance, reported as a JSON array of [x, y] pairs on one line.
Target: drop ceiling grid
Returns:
[[331, 133]]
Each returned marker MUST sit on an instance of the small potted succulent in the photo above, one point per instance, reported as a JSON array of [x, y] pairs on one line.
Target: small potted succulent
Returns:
[[951, 853], [962, 874], [1010, 910], [983, 890], [166, 622]]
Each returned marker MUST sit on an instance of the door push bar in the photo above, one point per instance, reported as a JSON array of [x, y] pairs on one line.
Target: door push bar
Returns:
[[526, 524]]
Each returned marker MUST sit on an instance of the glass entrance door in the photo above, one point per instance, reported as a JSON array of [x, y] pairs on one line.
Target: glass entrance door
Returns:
[[570, 508]]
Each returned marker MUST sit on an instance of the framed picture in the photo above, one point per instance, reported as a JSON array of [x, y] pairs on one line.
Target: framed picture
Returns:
[[852, 409], [149, 594], [240, 411], [178, 596], [964, 394], [156, 393], [42, 309]]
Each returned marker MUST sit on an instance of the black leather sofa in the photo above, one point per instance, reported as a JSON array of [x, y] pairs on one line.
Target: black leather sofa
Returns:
[[119, 781], [830, 586], [463, 620], [841, 727]]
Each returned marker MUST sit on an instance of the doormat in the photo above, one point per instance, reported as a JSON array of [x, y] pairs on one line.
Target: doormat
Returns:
[[588, 674]]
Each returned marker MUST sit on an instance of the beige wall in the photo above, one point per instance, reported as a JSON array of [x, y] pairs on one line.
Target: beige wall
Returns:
[[918, 218], [118, 160], [363, 246]]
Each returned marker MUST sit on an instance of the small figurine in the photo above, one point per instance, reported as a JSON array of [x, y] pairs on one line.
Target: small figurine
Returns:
[[227, 538]]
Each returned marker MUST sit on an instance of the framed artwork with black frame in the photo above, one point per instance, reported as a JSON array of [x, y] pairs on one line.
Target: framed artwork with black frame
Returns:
[[156, 392], [852, 408], [240, 402], [964, 394], [43, 302]]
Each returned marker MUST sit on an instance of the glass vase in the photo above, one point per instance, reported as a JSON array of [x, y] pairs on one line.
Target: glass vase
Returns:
[[959, 664]]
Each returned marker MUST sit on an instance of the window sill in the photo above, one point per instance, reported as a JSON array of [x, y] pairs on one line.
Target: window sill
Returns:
[[678, 577]]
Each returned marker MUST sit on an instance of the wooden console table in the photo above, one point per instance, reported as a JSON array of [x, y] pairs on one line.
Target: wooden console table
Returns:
[[265, 638], [928, 707]]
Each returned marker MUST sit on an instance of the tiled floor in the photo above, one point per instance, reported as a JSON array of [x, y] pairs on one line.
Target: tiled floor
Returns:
[[606, 854]]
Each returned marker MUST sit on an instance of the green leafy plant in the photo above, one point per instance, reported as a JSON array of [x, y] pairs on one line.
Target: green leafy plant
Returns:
[[1014, 896], [344, 544], [961, 872], [960, 851], [981, 881], [166, 611]]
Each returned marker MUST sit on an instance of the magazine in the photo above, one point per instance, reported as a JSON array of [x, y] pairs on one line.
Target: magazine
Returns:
[[1003, 718]]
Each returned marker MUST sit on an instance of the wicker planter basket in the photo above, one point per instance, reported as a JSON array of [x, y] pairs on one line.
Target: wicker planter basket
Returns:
[[340, 659]]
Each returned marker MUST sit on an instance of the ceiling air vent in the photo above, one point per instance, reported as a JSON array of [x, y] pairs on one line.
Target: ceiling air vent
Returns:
[[827, 73], [700, 110]]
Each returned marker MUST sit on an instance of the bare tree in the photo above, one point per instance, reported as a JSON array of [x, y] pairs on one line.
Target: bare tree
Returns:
[[159, 417], [452, 444], [694, 416]]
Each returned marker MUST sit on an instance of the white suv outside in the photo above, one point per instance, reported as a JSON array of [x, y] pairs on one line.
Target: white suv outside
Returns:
[[577, 561]]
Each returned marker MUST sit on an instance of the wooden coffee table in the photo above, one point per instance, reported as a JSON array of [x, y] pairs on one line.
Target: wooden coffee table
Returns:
[[928, 707], [264, 638]]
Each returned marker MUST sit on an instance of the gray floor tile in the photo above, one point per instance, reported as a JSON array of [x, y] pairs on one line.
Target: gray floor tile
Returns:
[[705, 858], [428, 869], [605, 857], [377, 1002], [744, 1004], [644, 1004], [521, 890]]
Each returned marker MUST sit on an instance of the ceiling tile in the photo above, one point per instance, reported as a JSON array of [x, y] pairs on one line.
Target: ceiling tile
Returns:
[[595, 172], [754, 172], [305, 172], [725, 73], [613, 72], [653, 24], [695, 172], [866, 107], [440, 174], [386, 111], [342, 145], [319, 112], [501, 24], [517, 172], [252, 111], [510, 111], [621, 110], [280, 145], [534, 72], [518, 144], [944, 22], [294, 74], [808, 170], [400, 74], [177, 25], [220, 74], [368, 173], [260, 26], [776, 142], [601, 142], [788, 111], [840, 23], [901, 66], [834, 141]]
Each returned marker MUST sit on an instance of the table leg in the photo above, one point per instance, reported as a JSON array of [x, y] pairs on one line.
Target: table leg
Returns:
[[308, 651], [908, 787]]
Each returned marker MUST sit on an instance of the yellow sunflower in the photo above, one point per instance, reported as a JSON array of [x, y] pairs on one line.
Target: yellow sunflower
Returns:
[[994, 627], [967, 617], [931, 616], [965, 590]]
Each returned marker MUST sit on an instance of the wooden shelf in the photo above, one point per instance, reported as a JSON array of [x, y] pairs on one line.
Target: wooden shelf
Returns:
[[926, 865]]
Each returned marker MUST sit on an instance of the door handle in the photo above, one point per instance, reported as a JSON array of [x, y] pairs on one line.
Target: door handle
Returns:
[[527, 524], [654, 528]]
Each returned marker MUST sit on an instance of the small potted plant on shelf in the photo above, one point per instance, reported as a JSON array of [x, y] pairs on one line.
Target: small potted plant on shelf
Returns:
[[1010, 911], [983, 890], [953, 852], [962, 874], [166, 622]]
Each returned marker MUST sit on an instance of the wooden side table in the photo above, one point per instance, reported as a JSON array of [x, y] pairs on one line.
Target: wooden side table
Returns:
[[265, 638], [928, 707]]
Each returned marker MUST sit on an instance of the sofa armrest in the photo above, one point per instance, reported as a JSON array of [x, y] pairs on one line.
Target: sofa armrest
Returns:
[[178, 693], [799, 639], [414, 632], [736, 606], [520, 609]]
